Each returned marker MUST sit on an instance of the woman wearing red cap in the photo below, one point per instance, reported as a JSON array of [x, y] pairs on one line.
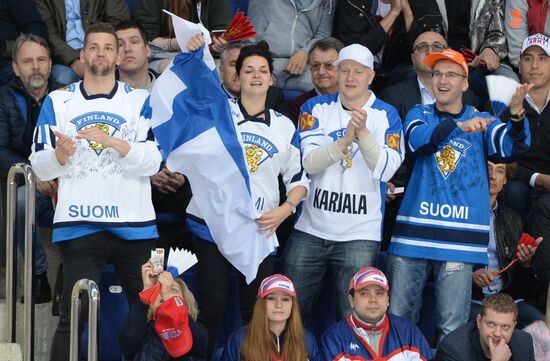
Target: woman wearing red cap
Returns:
[[275, 332]]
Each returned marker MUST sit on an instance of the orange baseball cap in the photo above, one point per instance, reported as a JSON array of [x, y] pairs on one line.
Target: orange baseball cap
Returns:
[[447, 54]]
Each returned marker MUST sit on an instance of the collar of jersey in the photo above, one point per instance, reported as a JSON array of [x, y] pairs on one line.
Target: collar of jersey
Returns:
[[369, 327], [449, 115], [266, 121], [96, 96]]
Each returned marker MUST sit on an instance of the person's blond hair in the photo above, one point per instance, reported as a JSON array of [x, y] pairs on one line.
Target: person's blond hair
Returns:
[[189, 299]]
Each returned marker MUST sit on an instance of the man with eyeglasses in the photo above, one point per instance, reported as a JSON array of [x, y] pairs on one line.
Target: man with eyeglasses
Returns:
[[406, 94], [403, 96], [443, 223], [321, 58]]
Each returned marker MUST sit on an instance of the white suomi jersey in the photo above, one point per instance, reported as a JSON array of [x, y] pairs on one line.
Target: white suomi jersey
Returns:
[[99, 190], [270, 148], [346, 200]]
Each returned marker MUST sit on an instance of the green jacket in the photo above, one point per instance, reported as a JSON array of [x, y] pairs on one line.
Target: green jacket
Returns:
[[215, 15], [91, 11]]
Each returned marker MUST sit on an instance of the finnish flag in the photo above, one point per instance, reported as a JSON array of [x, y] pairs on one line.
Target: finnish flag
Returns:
[[191, 120]]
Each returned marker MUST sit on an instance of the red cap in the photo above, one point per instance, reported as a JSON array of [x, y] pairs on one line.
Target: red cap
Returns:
[[172, 326], [276, 282], [447, 54], [368, 276]]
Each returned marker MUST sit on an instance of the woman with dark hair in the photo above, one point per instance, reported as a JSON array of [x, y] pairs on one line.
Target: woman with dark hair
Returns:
[[270, 149], [275, 331]]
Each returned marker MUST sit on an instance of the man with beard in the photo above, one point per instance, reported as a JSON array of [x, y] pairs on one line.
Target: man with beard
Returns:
[[92, 137], [20, 103]]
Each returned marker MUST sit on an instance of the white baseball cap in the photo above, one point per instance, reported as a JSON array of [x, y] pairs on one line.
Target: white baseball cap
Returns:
[[540, 40], [357, 52]]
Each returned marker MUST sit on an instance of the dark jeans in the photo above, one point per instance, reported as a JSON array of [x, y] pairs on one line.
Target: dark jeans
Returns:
[[42, 204], [214, 284], [85, 257]]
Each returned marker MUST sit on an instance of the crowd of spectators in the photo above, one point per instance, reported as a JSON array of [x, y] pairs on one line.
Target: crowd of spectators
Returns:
[[384, 142]]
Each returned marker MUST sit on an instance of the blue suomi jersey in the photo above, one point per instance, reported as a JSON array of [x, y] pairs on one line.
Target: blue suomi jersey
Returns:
[[445, 211]]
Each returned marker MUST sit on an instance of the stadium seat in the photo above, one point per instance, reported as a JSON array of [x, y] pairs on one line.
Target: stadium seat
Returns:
[[112, 312]]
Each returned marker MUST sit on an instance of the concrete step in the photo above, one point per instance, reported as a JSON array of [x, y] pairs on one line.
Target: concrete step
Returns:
[[44, 322], [10, 352], [44, 327]]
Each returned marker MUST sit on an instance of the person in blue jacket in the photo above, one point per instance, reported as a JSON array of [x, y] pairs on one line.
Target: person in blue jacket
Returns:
[[275, 331]]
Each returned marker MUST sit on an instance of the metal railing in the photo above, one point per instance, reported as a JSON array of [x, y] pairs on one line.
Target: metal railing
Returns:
[[11, 264], [93, 311]]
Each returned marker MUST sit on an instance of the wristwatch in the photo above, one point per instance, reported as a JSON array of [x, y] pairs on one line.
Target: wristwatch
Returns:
[[292, 207], [517, 117]]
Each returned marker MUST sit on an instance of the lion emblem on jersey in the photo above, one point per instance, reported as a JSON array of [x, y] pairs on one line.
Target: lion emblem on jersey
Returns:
[[95, 145], [257, 150], [307, 121], [253, 157], [347, 162], [450, 155], [109, 123], [393, 140]]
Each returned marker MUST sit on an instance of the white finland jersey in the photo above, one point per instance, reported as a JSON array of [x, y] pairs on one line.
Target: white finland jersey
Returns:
[[270, 148], [99, 189], [346, 200]]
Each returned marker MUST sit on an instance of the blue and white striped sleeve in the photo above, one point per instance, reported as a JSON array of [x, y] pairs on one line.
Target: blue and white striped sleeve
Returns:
[[42, 158], [292, 171], [391, 150], [311, 132], [506, 141], [423, 137]]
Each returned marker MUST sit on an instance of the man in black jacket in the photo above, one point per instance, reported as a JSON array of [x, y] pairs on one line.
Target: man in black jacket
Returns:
[[20, 103], [532, 180], [491, 337], [418, 90], [382, 26], [506, 230]]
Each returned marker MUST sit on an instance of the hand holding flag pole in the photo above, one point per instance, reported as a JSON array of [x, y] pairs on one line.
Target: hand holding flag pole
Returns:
[[192, 123]]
